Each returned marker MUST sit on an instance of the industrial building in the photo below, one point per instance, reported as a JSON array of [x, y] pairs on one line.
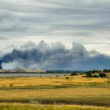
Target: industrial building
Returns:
[[27, 70]]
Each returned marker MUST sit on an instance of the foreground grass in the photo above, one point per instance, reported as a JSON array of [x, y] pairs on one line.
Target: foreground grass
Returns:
[[48, 107]]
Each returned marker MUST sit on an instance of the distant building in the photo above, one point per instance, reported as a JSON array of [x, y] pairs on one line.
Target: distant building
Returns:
[[27, 70], [2, 70]]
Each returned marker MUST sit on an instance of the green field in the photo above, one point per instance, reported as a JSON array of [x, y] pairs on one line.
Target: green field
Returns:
[[48, 107]]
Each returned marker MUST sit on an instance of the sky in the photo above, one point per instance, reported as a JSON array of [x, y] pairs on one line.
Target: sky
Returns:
[[41, 26]]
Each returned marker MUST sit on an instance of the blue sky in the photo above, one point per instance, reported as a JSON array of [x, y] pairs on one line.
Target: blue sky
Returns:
[[86, 22]]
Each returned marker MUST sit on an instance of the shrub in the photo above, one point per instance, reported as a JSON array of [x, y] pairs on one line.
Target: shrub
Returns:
[[67, 77], [102, 75]]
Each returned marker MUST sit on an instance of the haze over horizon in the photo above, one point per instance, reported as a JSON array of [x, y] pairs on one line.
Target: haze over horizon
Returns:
[[55, 34]]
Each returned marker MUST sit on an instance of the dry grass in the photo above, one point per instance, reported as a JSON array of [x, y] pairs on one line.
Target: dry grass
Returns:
[[76, 89], [53, 81], [55, 93]]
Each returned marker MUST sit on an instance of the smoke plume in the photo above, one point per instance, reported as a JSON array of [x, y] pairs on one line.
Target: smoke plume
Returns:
[[54, 57]]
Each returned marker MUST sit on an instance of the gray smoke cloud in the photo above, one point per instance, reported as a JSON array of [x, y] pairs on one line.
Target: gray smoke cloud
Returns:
[[54, 56]]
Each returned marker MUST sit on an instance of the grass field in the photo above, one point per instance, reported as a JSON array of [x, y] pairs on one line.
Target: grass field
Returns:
[[78, 90], [23, 82], [47, 107]]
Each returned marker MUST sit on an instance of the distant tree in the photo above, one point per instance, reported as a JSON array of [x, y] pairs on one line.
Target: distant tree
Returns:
[[102, 75], [88, 74], [106, 70], [94, 71], [73, 74]]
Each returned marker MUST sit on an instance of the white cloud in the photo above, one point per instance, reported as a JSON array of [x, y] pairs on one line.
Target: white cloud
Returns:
[[84, 21]]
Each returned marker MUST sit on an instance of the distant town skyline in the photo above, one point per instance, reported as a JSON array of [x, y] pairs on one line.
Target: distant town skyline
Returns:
[[66, 34]]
